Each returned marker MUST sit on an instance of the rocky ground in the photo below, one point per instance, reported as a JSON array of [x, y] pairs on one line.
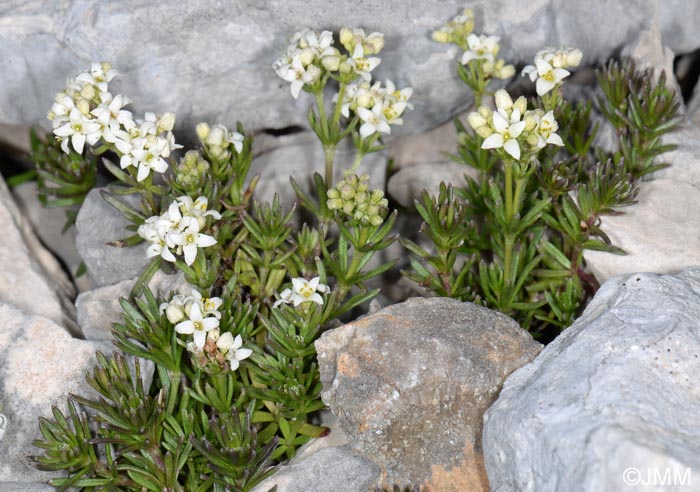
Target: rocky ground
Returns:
[[428, 392]]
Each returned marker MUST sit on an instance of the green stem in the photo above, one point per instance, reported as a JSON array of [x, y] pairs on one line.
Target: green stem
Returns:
[[329, 157], [338, 105], [509, 191], [322, 116], [358, 160]]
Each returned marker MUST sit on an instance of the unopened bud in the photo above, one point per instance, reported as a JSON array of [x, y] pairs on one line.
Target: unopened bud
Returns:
[[441, 36], [331, 62], [166, 122], [202, 131]]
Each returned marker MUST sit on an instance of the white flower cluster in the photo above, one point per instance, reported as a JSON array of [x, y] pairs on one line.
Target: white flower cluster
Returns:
[[86, 112], [218, 138], [485, 49], [550, 67], [307, 56], [303, 291], [377, 107], [456, 30], [199, 316], [176, 231], [511, 123]]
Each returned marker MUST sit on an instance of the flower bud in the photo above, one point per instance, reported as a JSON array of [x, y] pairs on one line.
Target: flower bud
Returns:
[[503, 99], [88, 91], [559, 59], [51, 115], [331, 62], [374, 43], [574, 57], [345, 67], [306, 56], [346, 37], [441, 36], [83, 106], [520, 104], [174, 312], [348, 207], [376, 220], [476, 120], [213, 334], [333, 193], [202, 131], [334, 203], [216, 136], [347, 192], [485, 111], [364, 99], [314, 73], [505, 72], [166, 122], [531, 120], [484, 131], [225, 342]]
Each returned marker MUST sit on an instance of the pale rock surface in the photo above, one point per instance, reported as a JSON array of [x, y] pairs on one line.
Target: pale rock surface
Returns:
[[660, 232], [409, 385], [429, 146], [40, 363], [97, 309], [31, 280], [301, 157], [331, 469], [211, 60], [99, 223], [48, 224], [616, 390], [407, 185]]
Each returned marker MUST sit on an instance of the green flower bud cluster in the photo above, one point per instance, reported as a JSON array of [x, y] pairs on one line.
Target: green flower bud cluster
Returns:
[[353, 196], [191, 170]]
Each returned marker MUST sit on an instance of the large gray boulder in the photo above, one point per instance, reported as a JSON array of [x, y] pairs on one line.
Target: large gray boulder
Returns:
[[610, 403], [40, 364], [30, 277], [97, 225], [211, 60], [410, 383]]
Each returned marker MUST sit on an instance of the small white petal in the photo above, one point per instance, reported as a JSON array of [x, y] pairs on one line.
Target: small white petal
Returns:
[[495, 141], [511, 146]]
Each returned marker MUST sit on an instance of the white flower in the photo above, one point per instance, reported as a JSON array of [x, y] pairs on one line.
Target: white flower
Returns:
[[158, 239], [549, 67], [197, 325], [373, 121], [544, 131], [190, 239], [80, 130], [302, 291], [175, 309], [232, 349], [209, 305], [100, 75], [362, 65], [481, 48], [507, 125], [151, 158]]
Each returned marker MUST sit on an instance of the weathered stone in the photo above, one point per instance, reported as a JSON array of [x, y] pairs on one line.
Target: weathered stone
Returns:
[[658, 232], [408, 183], [301, 157], [210, 61], [31, 279], [328, 470], [99, 223], [39, 365], [427, 147], [48, 224], [98, 308], [25, 487], [409, 386], [616, 390]]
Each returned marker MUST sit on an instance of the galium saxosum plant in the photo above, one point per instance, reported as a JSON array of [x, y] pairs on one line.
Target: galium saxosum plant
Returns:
[[513, 236], [235, 378]]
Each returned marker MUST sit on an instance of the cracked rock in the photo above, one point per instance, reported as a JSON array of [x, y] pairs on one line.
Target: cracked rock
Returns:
[[616, 390], [410, 383]]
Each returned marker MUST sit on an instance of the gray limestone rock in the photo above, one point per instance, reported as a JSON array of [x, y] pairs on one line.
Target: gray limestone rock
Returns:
[[39, 365], [211, 60], [332, 469], [409, 385], [618, 390], [97, 224], [48, 224], [98, 308], [25, 487], [301, 156], [660, 232], [31, 279], [408, 183]]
